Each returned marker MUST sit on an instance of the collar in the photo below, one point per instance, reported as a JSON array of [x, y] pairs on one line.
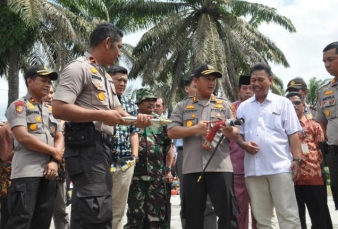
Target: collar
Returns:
[[270, 97], [213, 98], [29, 98], [303, 119]]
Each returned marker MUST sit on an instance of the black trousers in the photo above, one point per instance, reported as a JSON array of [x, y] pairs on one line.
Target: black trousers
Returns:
[[313, 196], [210, 219], [332, 162], [30, 203], [219, 186], [4, 212], [89, 169]]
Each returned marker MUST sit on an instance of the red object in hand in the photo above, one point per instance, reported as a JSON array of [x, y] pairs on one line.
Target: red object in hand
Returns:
[[229, 122]]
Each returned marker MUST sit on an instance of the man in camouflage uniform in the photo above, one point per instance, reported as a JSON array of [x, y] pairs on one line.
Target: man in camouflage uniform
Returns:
[[147, 194], [326, 116]]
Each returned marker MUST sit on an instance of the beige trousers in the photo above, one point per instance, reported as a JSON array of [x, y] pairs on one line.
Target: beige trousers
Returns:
[[121, 184], [273, 191]]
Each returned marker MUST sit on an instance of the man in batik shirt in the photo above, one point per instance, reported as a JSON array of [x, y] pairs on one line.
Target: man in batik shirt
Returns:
[[125, 152], [309, 188], [147, 194]]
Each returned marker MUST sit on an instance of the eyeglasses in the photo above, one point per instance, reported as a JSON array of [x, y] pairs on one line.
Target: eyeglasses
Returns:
[[296, 102]]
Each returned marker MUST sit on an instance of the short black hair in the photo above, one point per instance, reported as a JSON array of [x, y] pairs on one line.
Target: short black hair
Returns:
[[117, 69], [333, 45], [102, 31], [261, 66], [32, 77], [294, 93]]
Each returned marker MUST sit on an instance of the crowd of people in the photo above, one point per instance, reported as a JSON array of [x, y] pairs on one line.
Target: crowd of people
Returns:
[[117, 156]]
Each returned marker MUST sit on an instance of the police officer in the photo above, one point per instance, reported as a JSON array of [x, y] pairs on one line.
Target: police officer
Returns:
[[86, 97], [147, 193], [299, 85], [327, 114], [38, 144], [190, 122]]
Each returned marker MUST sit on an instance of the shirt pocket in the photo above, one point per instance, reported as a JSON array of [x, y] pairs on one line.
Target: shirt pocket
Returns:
[[272, 121], [99, 94], [34, 123], [329, 110], [189, 120]]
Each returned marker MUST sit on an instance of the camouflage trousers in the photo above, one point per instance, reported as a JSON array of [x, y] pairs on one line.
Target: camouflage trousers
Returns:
[[146, 201]]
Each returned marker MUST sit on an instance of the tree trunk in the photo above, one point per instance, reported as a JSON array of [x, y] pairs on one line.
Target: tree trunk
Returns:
[[13, 77]]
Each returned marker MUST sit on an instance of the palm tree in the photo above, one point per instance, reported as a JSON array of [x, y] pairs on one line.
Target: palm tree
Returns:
[[313, 86], [54, 33], [193, 32]]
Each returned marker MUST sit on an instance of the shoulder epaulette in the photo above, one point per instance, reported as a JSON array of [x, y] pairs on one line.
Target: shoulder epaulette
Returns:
[[324, 85]]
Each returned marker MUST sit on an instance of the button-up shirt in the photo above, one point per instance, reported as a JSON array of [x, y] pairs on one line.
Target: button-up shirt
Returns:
[[311, 135], [268, 124], [122, 154]]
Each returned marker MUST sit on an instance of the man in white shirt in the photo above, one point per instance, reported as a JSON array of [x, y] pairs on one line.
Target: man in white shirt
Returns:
[[268, 136]]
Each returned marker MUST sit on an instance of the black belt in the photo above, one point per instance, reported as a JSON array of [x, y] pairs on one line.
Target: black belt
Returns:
[[105, 138], [180, 148]]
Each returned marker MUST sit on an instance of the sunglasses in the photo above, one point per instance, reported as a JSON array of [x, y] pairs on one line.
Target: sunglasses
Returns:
[[296, 102]]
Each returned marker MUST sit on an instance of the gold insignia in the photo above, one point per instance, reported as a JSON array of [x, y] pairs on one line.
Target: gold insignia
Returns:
[[19, 109], [101, 96], [219, 101], [53, 128], [112, 169], [108, 76], [38, 118], [189, 123], [213, 98], [92, 60], [93, 70], [309, 116], [218, 116], [218, 106], [32, 126], [50, 108], [193, 115], [292, 83], [329, 92], [99, 85], [210, 67], [190, 107], [32, 100], [30, 106], [334, 81], [327, 112], [233, 109], [194, 99]]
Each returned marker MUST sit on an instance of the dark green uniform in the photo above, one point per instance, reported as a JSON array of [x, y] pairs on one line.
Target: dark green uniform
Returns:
[[147, 195]]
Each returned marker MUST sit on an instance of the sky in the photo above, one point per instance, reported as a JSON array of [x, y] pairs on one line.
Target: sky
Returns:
[[316, 25]]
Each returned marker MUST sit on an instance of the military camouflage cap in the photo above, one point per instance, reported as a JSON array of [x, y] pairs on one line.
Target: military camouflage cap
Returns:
[[144, 93]]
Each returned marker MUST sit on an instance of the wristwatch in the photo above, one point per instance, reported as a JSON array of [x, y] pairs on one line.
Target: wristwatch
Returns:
[[167, 169], [299, 160]]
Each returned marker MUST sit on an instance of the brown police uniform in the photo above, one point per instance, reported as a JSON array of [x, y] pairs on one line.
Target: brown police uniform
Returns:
[[327, 110], [30, 195], [86, 84], [218, 179]]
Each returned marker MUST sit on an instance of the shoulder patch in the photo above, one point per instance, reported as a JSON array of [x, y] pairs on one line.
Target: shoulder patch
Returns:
[[19, 106]]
